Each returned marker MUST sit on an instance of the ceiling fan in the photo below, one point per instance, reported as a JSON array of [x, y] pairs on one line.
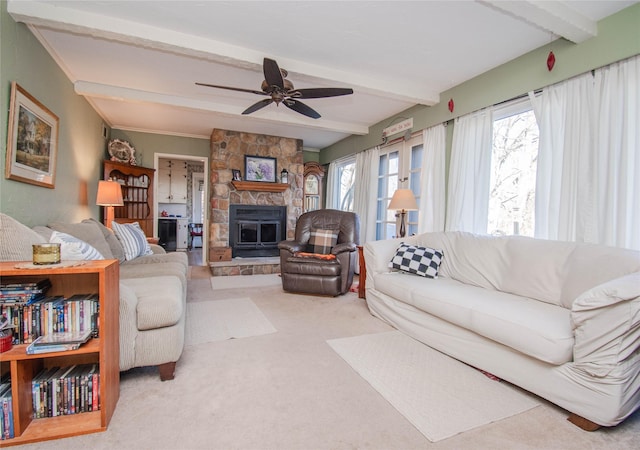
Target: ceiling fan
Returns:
[[281, 90]]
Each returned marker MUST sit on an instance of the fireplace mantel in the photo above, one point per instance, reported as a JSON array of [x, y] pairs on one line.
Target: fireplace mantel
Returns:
[[259, 186]]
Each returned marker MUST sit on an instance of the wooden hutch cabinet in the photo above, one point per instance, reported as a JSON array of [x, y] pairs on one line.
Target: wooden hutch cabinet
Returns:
[[137, 193], [312, 198]]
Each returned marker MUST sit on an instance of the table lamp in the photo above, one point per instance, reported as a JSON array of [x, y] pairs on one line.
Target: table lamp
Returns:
[[109, 195], [403, 201]]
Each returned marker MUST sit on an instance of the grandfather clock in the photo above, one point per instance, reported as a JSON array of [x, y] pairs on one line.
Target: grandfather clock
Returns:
[[313, 175]]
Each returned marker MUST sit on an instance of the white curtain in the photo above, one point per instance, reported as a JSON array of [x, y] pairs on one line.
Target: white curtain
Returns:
[[616, 160], [365, 192], [331, 201], [563, 113], [431, 210], [587, 186], [470, 173]]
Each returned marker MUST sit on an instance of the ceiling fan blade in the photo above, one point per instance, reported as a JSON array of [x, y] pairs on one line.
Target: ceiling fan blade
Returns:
[[256, 106], [301, 108], [233, 88], [320, 92], [272, 73]]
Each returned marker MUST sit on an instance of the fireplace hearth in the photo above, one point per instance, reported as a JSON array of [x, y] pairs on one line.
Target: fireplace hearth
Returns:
[[254, 231]]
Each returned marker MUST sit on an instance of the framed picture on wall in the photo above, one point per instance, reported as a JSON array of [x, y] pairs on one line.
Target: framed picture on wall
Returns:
[[260, 168], [236, 175], [32, 143]]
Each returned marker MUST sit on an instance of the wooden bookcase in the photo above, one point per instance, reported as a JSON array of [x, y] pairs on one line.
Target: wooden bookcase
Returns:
[[100, 277], [137, 194]]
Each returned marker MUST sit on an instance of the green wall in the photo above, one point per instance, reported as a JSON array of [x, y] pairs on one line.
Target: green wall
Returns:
[[81, 146], [618, 38], [308, 156], [148, 144]]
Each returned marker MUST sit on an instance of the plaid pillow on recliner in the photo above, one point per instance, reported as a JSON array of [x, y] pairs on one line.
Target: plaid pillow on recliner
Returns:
[[322, 241]]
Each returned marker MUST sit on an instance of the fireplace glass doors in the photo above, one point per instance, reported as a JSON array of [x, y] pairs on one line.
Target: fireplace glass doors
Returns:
[[255, 231]]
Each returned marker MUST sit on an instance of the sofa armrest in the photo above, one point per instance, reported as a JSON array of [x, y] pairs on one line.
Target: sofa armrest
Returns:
[[291, 246], [377, 255], [606, 324], [157, 249], [128, 326], [344, 247]]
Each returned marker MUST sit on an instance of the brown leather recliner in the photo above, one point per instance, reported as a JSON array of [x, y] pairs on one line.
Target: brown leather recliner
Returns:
[[320, 275]]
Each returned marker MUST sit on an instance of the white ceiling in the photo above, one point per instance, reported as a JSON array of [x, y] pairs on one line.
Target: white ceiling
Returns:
[[137, 62]]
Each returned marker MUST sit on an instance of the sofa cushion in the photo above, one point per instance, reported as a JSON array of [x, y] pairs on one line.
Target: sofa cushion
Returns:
[[17, 240], [110, 237], [397, 285], [45, 232], [477, 260], [535, 328], [161, 258], [315, 255], [133, 240], [538, 329], [312, 266], [145, 271], [423, 261], [536, 268], [87, 232], [160, 301], [322, 240], [72, 248]]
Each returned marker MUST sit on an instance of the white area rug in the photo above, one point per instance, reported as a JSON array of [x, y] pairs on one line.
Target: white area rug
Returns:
[[245, 281], [224, 319], [440, 396]]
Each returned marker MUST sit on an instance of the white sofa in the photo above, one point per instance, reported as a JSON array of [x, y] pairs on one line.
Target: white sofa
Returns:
[[559, 319]]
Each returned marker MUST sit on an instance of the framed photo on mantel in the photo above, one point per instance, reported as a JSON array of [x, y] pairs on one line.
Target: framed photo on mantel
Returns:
[[32, 144], [260, 168]]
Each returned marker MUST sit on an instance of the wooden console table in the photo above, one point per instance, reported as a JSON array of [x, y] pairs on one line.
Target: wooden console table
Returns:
[[362, 278]]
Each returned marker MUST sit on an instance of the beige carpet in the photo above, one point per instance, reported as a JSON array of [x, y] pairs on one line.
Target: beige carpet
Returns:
[[440, 396], [291, 391], [224, 319], [245, 281]]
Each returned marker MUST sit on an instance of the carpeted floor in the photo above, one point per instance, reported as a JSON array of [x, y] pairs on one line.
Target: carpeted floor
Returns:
[[224, 319], [289, 390], [440, 396]]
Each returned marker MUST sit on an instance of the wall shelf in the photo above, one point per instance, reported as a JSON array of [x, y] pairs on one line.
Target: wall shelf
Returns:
[[259, 186]]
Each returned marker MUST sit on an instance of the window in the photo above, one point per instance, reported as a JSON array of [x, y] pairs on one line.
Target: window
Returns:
[[513, 171], [387, 185], [399, 163], [346, 180]]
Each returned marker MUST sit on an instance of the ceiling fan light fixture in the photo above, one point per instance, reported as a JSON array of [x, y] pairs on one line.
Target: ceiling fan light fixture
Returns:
[[281, 90]]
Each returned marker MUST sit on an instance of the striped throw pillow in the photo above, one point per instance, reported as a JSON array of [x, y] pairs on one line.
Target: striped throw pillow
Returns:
[[322, 241], [74, 249], [132, 238]]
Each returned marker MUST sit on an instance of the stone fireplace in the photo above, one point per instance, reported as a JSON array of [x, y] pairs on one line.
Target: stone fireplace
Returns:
[[228, 149]]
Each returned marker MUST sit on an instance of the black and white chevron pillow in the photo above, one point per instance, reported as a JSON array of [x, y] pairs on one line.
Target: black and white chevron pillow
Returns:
[[423, 261]]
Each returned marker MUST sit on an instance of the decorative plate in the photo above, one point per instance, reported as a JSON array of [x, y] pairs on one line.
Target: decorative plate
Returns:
[[122, 151]]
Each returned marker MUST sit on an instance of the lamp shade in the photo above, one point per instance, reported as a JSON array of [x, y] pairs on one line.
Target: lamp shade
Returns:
[[109, 193], [404, 200]]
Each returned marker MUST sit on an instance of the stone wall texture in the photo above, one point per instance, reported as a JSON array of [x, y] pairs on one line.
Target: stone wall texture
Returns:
[[228, 149]]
